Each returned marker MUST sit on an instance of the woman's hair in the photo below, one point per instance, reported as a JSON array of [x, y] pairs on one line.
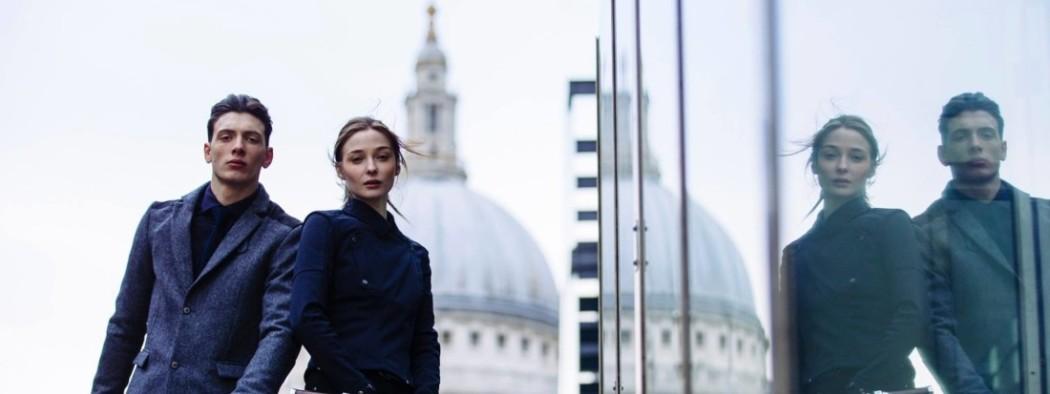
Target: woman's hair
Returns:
[[362, 123], [851, 122]]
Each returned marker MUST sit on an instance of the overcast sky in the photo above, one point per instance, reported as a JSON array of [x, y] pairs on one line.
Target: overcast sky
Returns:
[[103, 106]]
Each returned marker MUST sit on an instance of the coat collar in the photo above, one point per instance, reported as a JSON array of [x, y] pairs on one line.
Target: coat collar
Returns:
[[372, 219], [235, 239], [1005, 193], [843, 215], [951, 207]]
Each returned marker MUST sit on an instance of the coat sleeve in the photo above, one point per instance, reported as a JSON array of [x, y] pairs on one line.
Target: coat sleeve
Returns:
[[906, 288], [942, 350], [309, 314], [276, 352], [426, 352], [127, 326]]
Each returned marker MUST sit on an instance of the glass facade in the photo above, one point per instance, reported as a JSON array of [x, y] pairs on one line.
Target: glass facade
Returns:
[[800, 198]]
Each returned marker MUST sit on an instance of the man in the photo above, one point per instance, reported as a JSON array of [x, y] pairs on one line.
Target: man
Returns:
[[208, 280], [981, 242]]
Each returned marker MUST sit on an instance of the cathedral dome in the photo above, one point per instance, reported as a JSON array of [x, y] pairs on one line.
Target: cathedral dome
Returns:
[[482, 259], [718, 281]]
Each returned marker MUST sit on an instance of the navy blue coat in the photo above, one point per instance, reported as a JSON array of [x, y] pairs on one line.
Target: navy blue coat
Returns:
[[859, 297], [361, 300], [225, 330]]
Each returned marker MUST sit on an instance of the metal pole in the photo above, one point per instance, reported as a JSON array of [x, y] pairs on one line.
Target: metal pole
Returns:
[[683, 209], [618, 383], [640, 261], [783, 322]]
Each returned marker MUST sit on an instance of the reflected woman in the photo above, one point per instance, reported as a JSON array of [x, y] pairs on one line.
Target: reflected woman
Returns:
[[361, 298], [858, 282]]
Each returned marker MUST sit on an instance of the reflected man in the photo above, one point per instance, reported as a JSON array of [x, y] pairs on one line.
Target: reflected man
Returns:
[[979, 242], [208, 280]]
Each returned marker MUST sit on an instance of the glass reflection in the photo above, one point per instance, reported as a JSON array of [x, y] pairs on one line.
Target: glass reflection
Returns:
[[979, 241], [856, 276]]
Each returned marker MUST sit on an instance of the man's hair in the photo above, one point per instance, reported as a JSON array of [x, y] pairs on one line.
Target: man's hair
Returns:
[[976, 101], [240, 103]]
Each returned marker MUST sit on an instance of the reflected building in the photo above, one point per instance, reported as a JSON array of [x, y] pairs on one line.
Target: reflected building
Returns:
[[727, 345]]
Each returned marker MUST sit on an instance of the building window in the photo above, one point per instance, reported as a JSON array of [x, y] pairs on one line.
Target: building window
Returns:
[[588, 304], [722, 342], [501, 341], [586, 182], [625, 336], [544, 349], [740, 346], [699, 339], [475, 338], [446, 338], [665, 337], [585, 146], [585, 216], [585, 260], [524, 345], [432, 117]]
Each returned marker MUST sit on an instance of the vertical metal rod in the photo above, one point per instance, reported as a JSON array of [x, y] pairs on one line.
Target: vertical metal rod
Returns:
[[601, 271], [639, 177], [783, 322], [683, 209], [618, 382], [1031, 378]]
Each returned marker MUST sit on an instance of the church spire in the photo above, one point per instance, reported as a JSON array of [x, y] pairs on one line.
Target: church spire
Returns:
[[431, 36], [431, 113]]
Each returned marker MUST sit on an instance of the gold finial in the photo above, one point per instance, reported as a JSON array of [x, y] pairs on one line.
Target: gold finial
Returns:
[[431, 36]]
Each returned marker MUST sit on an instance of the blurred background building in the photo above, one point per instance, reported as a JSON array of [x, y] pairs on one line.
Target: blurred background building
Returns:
[[495, 301], [579, 295]]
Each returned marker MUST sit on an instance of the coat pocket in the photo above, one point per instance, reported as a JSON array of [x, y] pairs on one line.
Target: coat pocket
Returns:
[[141, 359], [229, 370]]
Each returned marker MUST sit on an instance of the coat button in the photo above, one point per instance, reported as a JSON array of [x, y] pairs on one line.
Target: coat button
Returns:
[[174, 365], [852, 280], [364, 282], [185, 310]]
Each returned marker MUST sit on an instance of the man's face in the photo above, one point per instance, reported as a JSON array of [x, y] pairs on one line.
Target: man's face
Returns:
[[973, 147], [238, 151]]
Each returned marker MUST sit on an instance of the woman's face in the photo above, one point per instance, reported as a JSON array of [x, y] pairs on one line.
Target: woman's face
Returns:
[[368, 166], [843, 164]]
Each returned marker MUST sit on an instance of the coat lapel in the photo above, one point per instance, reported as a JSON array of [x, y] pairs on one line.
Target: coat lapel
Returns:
[[968, 225], [237, 238], [181, 238], [834, 223]]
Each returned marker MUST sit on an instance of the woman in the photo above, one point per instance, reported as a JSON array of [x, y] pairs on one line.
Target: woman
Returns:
[[361, 300], [858, 284]]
